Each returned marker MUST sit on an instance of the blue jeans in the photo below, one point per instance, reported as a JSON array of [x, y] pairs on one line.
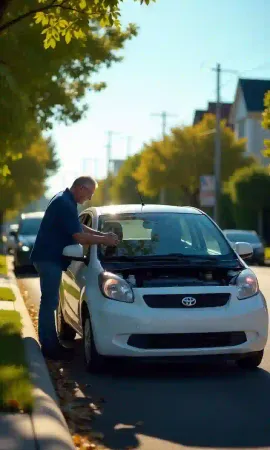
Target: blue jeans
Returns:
[[50, 278]]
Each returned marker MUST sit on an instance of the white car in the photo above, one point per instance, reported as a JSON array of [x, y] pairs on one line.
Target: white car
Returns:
[[174, 287]]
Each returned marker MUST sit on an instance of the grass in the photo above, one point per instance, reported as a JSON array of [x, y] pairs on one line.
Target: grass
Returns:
[[7, 294], [15, 385], [3, 265]]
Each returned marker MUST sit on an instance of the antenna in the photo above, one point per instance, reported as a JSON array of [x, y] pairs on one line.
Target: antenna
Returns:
[[140, 195]]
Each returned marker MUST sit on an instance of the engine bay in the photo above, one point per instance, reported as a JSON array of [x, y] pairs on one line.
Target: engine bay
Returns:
[[177, 276]]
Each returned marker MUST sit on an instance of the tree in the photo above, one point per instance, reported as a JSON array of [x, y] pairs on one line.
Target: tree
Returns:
[[248, 188], [51, 85], [266, 122], [62, 19], [28, 174], [186, 154], [124, 188]]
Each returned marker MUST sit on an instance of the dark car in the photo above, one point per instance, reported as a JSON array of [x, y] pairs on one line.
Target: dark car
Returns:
[[25, 238], [253, 239]]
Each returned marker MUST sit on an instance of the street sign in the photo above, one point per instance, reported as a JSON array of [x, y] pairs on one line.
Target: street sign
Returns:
[[207, 190]]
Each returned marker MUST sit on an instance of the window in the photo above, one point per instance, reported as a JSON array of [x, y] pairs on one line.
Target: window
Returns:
[[86, 219], [161, 234]]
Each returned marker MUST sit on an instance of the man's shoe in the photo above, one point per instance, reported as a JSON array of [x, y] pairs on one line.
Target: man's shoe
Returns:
[[60, 354]]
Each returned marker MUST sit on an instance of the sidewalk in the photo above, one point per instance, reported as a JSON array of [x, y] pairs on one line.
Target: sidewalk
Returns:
[[45, 428]]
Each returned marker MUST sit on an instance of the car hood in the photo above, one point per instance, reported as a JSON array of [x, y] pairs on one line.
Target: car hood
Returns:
[[27, 240]]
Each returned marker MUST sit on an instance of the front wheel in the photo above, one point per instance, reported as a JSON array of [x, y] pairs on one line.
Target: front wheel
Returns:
[[93, 360], [252, 361], [64, 330]]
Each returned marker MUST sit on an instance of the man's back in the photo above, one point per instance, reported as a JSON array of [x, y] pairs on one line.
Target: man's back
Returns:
[[60, 222]]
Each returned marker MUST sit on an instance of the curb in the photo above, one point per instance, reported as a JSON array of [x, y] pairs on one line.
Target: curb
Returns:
[[49, 425]]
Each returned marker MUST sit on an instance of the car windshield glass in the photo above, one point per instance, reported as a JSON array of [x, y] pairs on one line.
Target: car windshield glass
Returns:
[[251, 238], [30, 227], [163, 234]]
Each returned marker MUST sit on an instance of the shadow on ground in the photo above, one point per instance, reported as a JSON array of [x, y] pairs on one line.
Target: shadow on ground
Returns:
[[197, 406]]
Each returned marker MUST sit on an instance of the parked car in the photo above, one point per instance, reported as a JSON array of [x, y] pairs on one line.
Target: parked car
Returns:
[[25, 238], [9, 239], [174, 287], [258, 256]]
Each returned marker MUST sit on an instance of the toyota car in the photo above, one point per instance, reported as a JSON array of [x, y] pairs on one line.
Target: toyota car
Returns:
[[173, 288]]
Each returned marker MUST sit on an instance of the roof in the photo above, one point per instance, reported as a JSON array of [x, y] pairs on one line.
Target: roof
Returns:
[[253, 92], [33, 215], [239, 231], [212, 106], [131, 209]]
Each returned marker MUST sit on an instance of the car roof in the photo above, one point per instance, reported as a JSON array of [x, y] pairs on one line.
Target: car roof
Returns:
[[32, 215], [239, 231], [138, 208]]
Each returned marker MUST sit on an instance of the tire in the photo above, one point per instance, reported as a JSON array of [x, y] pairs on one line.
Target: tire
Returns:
[[252, 361], [94, 362], [64, 330]]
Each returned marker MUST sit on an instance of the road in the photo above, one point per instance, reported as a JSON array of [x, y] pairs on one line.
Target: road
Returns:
[[173, 407]]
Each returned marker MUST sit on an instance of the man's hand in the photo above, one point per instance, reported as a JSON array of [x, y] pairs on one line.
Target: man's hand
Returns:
[[111, 240]]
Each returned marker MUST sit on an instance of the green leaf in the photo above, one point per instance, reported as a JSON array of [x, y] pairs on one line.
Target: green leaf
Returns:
[[83, 4], [68, 36]]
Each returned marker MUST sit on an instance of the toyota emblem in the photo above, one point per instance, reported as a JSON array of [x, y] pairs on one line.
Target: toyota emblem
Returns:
[[189, 301]]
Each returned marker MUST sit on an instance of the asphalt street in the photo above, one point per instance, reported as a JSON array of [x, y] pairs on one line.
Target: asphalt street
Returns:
[[173, 407]]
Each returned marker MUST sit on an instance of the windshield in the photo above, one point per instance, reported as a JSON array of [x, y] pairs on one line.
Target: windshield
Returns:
[[243, 237], [163, 234], [30, 227]]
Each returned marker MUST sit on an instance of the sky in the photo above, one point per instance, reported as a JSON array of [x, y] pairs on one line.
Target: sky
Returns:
[[167, 67]]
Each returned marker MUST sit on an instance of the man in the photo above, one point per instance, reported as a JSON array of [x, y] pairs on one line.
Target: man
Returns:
[[61, 227]]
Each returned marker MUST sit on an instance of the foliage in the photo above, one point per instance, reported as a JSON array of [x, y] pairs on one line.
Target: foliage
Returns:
[[26, 181], [186, 154], [245, 186], [266, 122], [64, 19], [50, 85], [124, 188]]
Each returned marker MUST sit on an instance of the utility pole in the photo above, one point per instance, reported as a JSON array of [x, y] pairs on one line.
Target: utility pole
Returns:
[[109, 160], [217, 159], [164, 115], [217, 153]]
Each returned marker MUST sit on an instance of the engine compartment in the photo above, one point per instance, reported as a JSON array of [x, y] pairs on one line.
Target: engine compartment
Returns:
[[177, 276]]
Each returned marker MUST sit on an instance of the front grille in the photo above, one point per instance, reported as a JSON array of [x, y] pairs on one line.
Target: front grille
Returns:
[[187, 340], [175, 301]]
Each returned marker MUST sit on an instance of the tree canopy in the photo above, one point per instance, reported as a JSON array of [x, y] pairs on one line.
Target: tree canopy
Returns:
[[177, 163], [62, 19]]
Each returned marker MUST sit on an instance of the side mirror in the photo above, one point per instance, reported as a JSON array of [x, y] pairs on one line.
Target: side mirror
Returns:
[[244, 249], [74, 252]]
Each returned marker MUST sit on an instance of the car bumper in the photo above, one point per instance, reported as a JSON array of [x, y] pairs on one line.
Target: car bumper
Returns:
[[135, 330]]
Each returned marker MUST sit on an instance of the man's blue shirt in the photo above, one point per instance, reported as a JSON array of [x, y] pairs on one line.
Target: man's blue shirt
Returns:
[[59, 223]]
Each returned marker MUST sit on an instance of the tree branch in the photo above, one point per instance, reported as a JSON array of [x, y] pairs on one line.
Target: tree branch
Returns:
[[30, 13]]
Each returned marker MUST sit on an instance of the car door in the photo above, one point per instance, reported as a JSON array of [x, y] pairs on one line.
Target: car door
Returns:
[[73, 281]]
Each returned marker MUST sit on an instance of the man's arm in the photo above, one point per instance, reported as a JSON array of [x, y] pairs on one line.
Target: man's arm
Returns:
[[89, 230], [92, 239]]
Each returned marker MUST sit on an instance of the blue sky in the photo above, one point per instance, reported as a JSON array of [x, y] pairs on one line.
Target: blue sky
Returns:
[[166, 68]]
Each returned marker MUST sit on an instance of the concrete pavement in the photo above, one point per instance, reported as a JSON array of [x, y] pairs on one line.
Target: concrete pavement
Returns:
[[173, 407]]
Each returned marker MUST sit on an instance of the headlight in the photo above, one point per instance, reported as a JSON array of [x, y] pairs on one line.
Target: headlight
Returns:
[[247, 284], [115, 288], [25, 248]]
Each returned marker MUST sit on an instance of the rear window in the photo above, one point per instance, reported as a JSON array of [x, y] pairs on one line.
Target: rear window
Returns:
[[30, 226], [251, 238]]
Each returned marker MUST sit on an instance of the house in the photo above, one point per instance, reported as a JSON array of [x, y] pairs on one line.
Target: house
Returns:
[[225, 112], [246, 115]]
